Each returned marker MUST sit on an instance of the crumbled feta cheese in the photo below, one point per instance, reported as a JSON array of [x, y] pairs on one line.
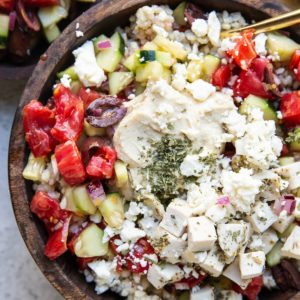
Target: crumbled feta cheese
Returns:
[[260, 43], [161, 275], [79, 33], [269, 281], [200, 89], [214, 28], [292, 173], [205, 293], [130, 233], [231, 237], [241, 188], [262, 217], [256, 243], [252, 264], [283, 222], [216, 213], [229, 295], [214, 262], [148, 224], [86, 67], [179, 77], [269, 239], [234, 274], [66, 81], [194, 257], [122, 247], [96, 218], [227, 44], [176, 217], [234, 122], [201, 234], [200, 27], [291, 247], [192, 166]]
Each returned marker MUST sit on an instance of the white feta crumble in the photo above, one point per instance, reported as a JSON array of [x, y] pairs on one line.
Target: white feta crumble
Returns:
[[66, 81], [192, 166], [86, 67], [252, 264], [214, 28], [200, 89], [206, 293], [234, 122], [194, 257], [291, 247], [130, 233], [179, 77], [260, 43], [79, 33], [227, 44], [217, 213], [241, 188], [269, 281], [200, 27], [269, 239]]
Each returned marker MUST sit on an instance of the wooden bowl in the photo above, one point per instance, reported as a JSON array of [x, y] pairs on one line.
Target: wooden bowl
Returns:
[[103, 17]]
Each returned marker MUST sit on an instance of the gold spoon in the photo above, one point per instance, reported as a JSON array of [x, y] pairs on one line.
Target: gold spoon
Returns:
[[276, 23]]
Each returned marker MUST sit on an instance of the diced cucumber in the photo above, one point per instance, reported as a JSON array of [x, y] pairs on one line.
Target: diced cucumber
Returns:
[[287, 232], [139, 88], [194, 70], [51, 33], [121, 173], [112, 210], [69, 71], [51, 15], [76, 86], [4, 30], [131, 61], [70, 203], [150, 46], [34, 168], [90, 243], [147, 55], [167, 75], [253, 101], [93, 131], [83, 201], [274, 256], [171, 47], [165, 59], [98, 39], [110, 58], [286, 160], [210, 64], [150, 71], [281, 45], [118, 81], [178, 14]]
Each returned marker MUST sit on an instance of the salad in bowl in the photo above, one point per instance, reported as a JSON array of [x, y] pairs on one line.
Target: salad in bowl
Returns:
[[166, 158]]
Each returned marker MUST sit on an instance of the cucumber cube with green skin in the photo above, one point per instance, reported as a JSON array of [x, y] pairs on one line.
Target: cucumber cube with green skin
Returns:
[[152, 70], [147, 55], [34, 168], [286, 160], [131, 62], [118, 81], [4, 30], [69, 71], [278, 44], [287, 232], [70, 203], [82, 200], [98, 39], [121, 173], [210, 64], [51, 33], [112, 210], [109, 59], [51, 15], [274, 256], [89, 242], [256, 102], [178, 14]]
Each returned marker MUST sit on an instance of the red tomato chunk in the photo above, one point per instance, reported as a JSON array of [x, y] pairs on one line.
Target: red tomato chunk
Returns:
[[38, 121], [290, 108], [221, 76], [69, 115], [295, 64], [252, 290], [7, 5], [88, 96], [69, 163]]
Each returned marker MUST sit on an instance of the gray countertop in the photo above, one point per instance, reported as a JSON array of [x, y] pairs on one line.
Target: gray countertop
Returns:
[[19, 276]]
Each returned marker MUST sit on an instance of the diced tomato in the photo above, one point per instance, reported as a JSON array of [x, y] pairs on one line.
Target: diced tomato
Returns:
[[140, 248], [69, 163], [7, 5], [244, 51], [249, 83], [290, 108], [221, 76], [57, 243], [295, 64], [69, 115], [48, 210], [88, 96], [285, 150], [101, 165], [252, 290], [192, 281], [41, 3], [38, 121], [259, 66]]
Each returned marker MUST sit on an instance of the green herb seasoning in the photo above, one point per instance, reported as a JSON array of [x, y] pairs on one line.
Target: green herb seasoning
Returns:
[[163, 173], [294, 136]]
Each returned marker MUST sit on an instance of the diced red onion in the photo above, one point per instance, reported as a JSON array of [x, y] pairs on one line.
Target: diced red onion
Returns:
[[12, 20], [96, 192], [181, 286], [223, 200], [104, 44], [287, 203]]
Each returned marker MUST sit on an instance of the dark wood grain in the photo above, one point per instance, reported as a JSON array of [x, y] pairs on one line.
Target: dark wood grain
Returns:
[[103, 17]]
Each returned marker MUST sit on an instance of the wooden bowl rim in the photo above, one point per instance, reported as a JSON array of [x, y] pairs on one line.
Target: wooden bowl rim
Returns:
[[56, 272]]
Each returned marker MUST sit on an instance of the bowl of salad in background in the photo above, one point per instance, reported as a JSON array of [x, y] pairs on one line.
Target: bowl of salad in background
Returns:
[[28, 27], [103, 111]]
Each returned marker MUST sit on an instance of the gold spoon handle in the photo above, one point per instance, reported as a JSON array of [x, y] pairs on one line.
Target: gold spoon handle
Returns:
[[276, 23]]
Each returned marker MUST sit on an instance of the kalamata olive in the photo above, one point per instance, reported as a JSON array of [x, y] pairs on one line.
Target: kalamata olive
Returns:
[[27, 16], [109, 117], [192, 12], [106, 101], [91, 145]]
